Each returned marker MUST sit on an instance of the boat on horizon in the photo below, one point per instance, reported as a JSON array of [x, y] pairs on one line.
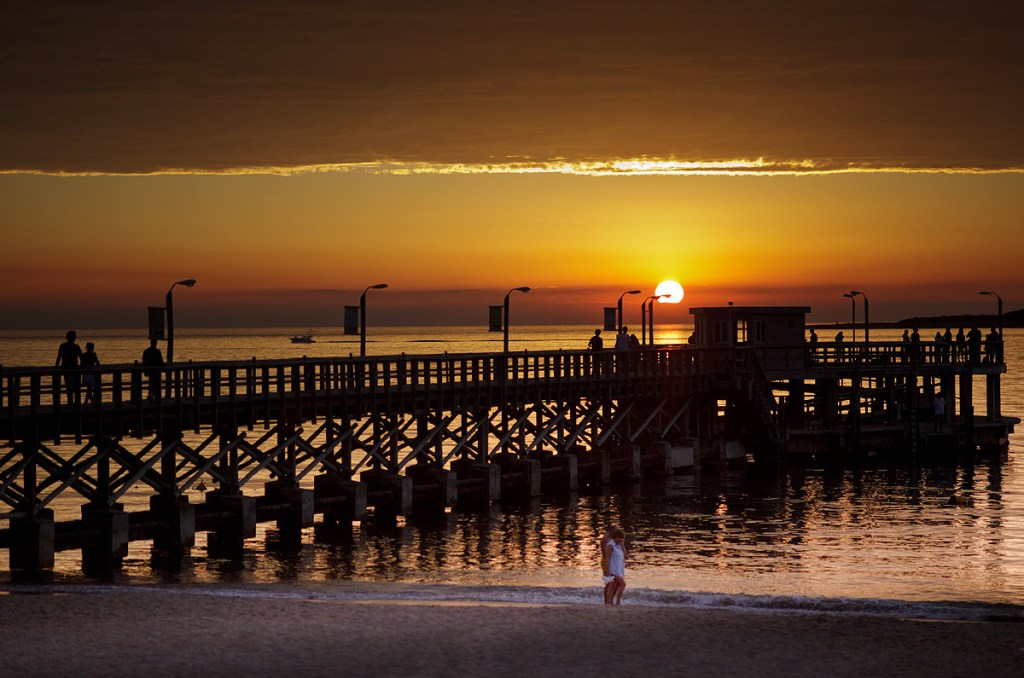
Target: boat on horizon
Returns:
[[306, 338]]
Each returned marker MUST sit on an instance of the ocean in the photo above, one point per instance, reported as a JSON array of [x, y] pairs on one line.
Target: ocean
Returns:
[[878, 539]]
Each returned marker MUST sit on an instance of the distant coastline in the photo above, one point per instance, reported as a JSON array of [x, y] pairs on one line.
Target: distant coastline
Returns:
[[1013, 319]]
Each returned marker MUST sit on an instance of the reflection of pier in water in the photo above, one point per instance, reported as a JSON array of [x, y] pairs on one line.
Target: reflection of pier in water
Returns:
[[340, 438]]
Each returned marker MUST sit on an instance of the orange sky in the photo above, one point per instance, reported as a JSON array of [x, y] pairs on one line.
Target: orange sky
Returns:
[[453, 154]]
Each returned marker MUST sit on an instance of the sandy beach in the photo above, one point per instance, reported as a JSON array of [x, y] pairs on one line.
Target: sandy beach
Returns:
[[125, 633]]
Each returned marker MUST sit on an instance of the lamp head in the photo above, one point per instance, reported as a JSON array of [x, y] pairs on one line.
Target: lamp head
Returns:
[[985, 293], [633, 292], [855, 293], [379, 286], [187, 283], [520, 289], [847, 294]]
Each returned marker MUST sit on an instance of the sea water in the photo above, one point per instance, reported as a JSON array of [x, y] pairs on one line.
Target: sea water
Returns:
[[878, 539]]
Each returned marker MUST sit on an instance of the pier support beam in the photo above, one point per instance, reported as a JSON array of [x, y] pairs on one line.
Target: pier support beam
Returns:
[[433, 487], [109, 546], [342, 499], [520, 478], [32, 542], [390, 494], [478, 483], [594, 466], [179, 517], [234, 523], [626, 462], [299, 514], [559, 474]]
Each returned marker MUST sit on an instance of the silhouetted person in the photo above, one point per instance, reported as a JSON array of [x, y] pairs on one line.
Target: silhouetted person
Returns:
[[839, 346], [974, 345], [961, 345], [915, 346], [622, 339], [947, 346], [69, 356], [622, 348], [153, 360], [596, 344], [814, 337], [634, 343], [90, 379], [991, 346]]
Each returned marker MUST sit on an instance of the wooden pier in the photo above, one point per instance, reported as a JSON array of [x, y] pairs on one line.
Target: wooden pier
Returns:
[[290, 440]]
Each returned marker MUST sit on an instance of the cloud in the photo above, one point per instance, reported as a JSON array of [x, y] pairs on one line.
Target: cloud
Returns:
[[144, 87]]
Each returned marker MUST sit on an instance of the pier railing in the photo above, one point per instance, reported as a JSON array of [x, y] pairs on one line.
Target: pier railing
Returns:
[[123, 391]]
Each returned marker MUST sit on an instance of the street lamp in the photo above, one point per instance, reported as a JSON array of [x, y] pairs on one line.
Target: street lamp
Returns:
[[999, 307], [648, 303], [362, 316], [620, 306], [169, 303], [867, 323], [853, 313], [505, 323]]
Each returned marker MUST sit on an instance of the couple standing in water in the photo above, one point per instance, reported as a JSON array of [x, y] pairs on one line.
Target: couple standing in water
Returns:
[[613, 564]]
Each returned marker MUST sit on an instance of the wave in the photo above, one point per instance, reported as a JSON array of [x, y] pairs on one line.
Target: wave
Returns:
[[527, 595]]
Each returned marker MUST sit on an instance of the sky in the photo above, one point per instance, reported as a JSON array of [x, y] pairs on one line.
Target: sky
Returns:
[[287, 155]]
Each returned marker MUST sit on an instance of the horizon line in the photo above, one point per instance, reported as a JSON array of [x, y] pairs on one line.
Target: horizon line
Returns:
[[641, 166]]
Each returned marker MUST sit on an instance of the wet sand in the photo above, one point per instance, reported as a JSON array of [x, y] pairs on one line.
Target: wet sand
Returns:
[[174, 634]]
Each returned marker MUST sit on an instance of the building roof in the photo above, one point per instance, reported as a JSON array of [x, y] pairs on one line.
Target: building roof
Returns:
[[752, 310]]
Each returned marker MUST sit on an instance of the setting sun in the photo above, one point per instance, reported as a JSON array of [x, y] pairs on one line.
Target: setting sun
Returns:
[[672, 289]]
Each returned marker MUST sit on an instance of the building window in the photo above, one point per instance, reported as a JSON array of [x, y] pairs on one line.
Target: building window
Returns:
[[741, 331], [760, 334]]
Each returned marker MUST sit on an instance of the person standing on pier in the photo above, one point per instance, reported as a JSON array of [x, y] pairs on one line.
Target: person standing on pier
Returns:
[[596, 344], [622, 349], [974, 345], [947, 346], [69, 356], [153, 361], [961, 345], [991, 346], [90, 379]]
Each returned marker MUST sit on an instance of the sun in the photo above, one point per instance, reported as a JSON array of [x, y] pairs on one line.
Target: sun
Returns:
[[673, 289]]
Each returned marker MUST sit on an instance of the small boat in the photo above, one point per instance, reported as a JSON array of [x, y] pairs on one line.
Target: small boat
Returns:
[[306, 338]]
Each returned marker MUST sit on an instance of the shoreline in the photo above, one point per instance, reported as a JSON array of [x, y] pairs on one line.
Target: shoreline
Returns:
[[132, 633]]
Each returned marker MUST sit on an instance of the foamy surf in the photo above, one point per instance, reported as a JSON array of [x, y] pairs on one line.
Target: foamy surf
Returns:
[[524, 595]]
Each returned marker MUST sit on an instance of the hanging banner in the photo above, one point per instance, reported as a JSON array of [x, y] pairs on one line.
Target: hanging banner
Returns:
[[156, 322], [351, 320], [494, 318], [611, 318]]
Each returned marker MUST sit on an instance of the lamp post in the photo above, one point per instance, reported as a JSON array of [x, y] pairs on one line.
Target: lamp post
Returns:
[[169, 303], [648, 303], [853, 313], [619, 328], [867, 322], [362, 316], [505, 319], [999, 310]]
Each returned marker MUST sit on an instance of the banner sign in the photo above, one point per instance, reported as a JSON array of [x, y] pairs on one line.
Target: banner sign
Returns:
[[611, 318], [351, 320], [156, 322], [494, 318]]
